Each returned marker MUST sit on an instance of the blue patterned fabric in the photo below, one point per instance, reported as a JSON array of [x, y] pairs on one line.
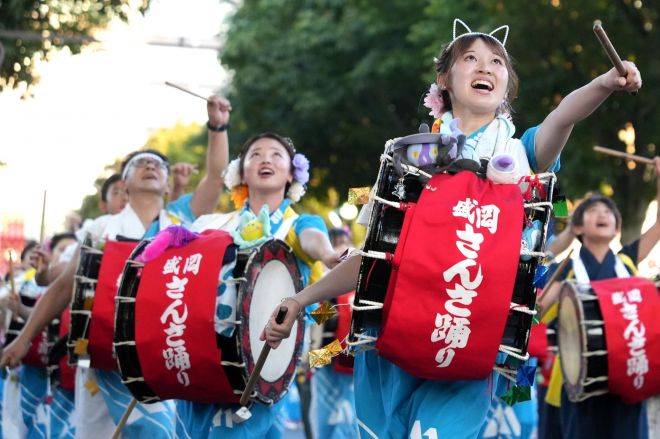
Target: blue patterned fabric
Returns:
[[61, 409], [333, 405], [34, 387]]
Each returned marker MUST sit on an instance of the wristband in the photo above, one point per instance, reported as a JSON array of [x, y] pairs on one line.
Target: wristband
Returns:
[[217, 128]]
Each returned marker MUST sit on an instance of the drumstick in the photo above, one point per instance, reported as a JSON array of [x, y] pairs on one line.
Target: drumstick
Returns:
[[12, 285], [610, 50], [124, 418], [557, 272], [254, 376], [180, 87], [42, 231], [625, 155]]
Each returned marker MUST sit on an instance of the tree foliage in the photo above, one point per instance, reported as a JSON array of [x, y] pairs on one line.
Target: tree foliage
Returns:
[[32, 30], [341, 77]]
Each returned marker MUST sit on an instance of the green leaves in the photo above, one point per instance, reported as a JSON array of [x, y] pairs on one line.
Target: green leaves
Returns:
[[31, 30]]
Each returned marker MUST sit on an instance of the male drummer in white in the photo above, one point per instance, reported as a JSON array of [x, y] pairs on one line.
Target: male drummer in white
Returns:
[[145, 174], [596, 222]]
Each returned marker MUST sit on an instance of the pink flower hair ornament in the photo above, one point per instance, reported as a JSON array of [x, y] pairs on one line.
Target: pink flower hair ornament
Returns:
[[434, 101]]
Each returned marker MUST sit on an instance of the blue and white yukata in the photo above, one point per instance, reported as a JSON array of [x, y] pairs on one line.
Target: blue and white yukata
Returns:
[[332, 410]]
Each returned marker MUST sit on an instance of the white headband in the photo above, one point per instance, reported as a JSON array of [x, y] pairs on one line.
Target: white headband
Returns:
[[136, 157]]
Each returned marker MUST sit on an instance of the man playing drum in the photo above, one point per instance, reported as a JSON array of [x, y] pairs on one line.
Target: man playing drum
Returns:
[[145, 174], [596, 222]]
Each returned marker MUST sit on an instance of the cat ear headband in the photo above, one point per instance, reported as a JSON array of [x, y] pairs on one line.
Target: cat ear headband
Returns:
[[458, 21]]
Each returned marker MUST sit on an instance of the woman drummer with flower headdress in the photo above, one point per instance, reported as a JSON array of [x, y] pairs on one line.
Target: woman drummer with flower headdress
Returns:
[[475, 84], [265, 180]]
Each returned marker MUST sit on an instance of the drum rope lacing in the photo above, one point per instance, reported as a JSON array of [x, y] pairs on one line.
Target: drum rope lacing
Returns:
[[590, 394], [234, 280], [370, 305], [509, 374], [86, 280], [91, 250], [363, 343]]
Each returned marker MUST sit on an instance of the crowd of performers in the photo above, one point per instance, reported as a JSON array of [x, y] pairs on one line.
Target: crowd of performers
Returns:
[[456, 385]]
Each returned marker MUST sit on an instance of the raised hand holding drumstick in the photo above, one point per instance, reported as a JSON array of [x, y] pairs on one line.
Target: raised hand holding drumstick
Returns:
[[611, 53], [628, 76]]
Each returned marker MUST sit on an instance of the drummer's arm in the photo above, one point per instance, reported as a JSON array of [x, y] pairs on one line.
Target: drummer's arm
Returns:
[[549, 296], [339, 280], [650, 238], [553, 134], [316, 245], [56, 298], [208, 190], [562, 241]]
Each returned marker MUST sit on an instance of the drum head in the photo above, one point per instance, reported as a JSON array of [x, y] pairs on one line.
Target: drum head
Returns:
[[272, 275], [571, 337]]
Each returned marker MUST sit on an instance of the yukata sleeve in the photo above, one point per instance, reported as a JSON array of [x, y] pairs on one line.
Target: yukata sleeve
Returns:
[[307, 221], [528, 140], [182, 209]]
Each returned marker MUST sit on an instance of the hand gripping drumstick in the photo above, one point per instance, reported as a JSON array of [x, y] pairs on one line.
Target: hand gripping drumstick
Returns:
[[610, 50], [624, 155], [124, 418], [256, 373]]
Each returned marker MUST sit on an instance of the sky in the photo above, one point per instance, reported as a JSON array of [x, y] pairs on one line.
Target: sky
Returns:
[[92, 108]]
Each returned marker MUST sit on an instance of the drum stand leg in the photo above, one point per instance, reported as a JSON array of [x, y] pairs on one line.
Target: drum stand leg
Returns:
[[124, 418]]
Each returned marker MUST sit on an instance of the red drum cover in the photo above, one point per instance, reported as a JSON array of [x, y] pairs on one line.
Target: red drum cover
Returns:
[[37, 355], [174, 322], [630, 308], [101, 326], [538, 341], [452, 278]]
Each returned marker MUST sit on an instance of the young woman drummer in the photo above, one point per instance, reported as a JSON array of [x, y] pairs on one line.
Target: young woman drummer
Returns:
[[476, 84], [265, 180]]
